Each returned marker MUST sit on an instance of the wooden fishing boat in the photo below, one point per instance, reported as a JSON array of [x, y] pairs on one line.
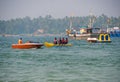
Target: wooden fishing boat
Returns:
[[27, 45], [48, 45]]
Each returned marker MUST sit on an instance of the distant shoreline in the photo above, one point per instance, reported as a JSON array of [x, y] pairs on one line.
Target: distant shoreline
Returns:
[[8, 35]]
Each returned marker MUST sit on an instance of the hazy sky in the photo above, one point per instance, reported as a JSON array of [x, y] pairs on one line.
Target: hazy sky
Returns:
[[57, 8]]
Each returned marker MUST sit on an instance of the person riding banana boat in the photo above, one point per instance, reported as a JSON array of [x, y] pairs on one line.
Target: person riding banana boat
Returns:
[[59, 42], [63, 41]]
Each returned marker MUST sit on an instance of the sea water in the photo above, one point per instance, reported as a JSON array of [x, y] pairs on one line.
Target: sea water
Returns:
[[83, 62]]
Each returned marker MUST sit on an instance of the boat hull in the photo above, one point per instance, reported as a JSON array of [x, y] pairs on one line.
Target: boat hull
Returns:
[[97, 41], [103, 38], [92, 40], [48, 45], [104, 41], [27, 45], [83, 36]]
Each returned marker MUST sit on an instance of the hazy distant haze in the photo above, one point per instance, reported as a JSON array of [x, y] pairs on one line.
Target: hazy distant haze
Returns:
[[57, 8]]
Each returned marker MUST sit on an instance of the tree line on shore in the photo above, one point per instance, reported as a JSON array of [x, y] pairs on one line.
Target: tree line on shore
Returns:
[[52, 25]]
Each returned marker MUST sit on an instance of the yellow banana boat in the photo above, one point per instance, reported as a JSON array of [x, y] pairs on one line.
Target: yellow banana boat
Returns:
[[48, 45]]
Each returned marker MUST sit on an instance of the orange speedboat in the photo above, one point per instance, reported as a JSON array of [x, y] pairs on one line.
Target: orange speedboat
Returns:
[[27, 45]]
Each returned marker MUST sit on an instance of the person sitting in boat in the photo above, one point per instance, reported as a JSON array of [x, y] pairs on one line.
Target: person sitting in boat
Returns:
[[66, 40], [55, 40], [20, 41], [59, 41], [63, 40]]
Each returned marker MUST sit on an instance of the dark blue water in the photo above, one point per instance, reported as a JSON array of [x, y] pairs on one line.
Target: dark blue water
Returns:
[[83, 62]]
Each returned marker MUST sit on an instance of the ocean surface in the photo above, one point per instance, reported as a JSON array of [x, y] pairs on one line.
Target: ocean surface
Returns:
[[83, 62]]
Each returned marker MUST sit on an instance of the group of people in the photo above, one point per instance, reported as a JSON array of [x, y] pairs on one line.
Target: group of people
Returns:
[[60, 41]]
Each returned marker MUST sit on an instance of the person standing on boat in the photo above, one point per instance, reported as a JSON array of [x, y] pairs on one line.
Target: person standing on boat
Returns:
[[55, 40], [20, 41], [75, 35]]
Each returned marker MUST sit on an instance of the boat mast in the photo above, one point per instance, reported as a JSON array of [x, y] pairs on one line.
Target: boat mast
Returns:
[[71, 18], [70, 23], [91, 20]]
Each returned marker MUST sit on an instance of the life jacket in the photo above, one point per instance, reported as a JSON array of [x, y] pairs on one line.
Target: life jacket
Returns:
[[60, 41], [66, 41], [19, 41], [55, 41], [63, 41]]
